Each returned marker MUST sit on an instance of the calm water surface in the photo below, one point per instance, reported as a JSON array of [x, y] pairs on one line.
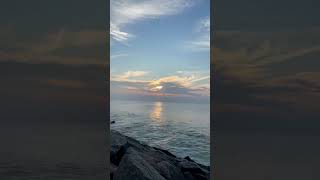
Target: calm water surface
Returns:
[[181, 128]]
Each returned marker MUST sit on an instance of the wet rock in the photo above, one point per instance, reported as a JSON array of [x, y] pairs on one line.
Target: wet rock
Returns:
[[189, 159], [113, 168], [166, 152], [169, 171], [190, 167], [119, 144], [134, 167], [132, 160]]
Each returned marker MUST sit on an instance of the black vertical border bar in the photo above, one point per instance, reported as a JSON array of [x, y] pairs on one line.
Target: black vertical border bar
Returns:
[[212, 121], [107, 124]]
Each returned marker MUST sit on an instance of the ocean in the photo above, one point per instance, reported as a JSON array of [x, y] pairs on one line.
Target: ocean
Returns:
[[181, 128]]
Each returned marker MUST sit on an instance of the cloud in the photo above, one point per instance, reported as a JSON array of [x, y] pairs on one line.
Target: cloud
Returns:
[[182, 81], [130, 74], [182, 85], [186, 79], [115, 56], [117, 34], [203, 25], [172, 88], [126, 76], [200, 78], [202, 41], [125, 12], [199, 45]]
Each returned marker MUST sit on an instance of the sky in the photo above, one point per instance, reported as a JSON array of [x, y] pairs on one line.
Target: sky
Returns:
[[160, 49]]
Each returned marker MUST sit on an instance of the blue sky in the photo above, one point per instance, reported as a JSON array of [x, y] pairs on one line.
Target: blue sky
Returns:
[[160, 48]]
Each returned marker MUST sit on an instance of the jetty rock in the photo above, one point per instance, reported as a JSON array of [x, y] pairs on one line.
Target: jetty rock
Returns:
[[133, 160]]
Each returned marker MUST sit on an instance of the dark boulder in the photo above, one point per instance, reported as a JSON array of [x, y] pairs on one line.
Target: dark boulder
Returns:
[[134, 167], [169, 171], [133, 160]]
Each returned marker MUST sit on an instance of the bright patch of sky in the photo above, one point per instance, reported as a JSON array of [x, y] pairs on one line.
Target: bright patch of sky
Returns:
[[160, 48]]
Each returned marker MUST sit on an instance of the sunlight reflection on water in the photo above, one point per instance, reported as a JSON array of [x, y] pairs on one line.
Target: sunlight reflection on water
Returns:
[[156, 113], [181, 128]]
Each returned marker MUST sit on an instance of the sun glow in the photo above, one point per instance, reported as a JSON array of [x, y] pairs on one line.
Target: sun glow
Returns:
[[157, 88]]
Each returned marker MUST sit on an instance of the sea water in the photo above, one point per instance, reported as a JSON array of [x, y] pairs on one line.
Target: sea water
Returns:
[[181, 128]]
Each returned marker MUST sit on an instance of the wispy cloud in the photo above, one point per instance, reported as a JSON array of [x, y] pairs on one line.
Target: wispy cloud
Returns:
[[124, 12], [200, 79], [115, 56], [126, 76], [130, 74], [203, 25], [202, 41], [183, 81], [117, 34]]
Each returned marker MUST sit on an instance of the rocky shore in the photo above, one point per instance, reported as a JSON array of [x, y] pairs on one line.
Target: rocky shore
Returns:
[[132, 160]]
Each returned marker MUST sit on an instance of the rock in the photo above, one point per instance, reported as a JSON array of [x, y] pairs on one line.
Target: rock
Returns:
[[189, 159], [203, 167], [166, 152], [113, 168], [193, 168], [134, 167], [201, 176], [132, 160], [207, 168], [190, 167], [169, 171], [188, 176], [119, 144]]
